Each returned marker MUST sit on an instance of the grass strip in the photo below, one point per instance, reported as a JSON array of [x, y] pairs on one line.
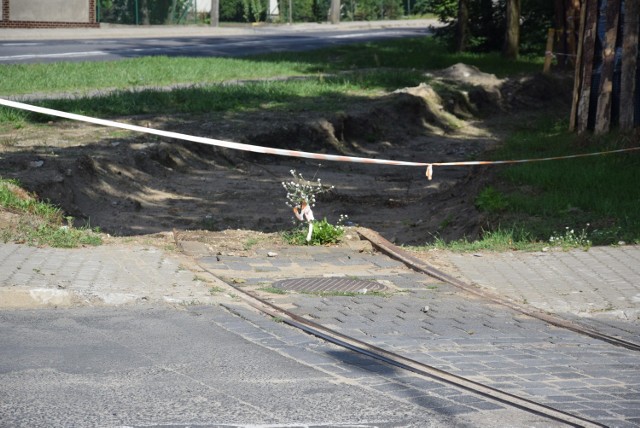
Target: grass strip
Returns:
[[423, 53], [317, 94], [39, 223], [572, 203]]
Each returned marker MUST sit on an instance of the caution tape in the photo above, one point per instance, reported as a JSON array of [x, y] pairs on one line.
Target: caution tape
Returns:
[[204, 140], [285, 152]]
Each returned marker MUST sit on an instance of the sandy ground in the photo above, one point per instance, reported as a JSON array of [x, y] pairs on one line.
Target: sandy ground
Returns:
[[132, 184]]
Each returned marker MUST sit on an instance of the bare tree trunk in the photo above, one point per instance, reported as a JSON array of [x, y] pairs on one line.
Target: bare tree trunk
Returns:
[[144, 8], [462, 26], [577, 81], [629, 65], [335, 12], [215, 13], [512, 33], [588, 35], [603, 111], [567, 21]]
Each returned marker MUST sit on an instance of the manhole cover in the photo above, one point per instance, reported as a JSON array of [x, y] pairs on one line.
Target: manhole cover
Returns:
[[328, 285]]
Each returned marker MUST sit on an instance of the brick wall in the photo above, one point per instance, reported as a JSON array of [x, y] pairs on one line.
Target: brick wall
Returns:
[[6, 21], [5, 10]]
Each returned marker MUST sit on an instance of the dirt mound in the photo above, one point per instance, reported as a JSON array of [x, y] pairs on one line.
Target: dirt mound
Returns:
[[133, 184], [463, 74]]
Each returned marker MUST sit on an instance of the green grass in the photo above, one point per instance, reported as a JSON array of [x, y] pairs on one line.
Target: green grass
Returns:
[[349, 294], [423, 53], [572, 203], [527, 205], [324, 233], [40, 223], [314, 94], [273, 290], [357, 73], [419, 54], [514, 238], [85, 77]]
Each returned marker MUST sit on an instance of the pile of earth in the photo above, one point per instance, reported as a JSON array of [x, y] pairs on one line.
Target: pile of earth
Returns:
[[138, 184]]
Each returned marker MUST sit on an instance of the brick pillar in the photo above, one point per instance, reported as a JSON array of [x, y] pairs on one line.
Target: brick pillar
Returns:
[[92, 11], [5, 10]]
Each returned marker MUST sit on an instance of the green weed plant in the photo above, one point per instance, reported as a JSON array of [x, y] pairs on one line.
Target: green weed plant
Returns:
[[324, 233]]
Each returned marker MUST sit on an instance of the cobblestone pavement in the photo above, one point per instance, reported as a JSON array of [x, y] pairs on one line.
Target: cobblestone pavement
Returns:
[[599, 288], [110, 275], [437, 324], [417, 316]]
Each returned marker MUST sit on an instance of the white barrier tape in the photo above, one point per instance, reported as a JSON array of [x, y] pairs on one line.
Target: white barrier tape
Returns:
[[204, 140], [504, 162], [286, 152]]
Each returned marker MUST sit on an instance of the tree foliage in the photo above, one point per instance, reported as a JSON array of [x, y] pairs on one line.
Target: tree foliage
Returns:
[[155, 12], [367, 10], [486, 26]]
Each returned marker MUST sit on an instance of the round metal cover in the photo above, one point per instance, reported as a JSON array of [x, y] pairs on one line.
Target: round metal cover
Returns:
[[328, 285]]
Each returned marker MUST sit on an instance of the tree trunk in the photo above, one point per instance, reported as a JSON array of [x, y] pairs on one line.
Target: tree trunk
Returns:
[[512, 33], [561, 33], [603, 111], [586, 63], [144, 9], [567, 21], [215, 13], [629, 65], [335, 12], [578, 78], [462, 26]]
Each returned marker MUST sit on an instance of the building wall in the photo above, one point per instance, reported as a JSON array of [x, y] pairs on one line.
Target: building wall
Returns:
[[203, 6], [48, 13]]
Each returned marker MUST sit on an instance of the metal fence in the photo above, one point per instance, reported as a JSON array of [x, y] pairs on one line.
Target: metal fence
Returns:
[[152, 12]]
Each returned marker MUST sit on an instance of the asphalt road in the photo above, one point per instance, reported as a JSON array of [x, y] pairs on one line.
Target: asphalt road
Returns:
[[199, 366], [229, 45]]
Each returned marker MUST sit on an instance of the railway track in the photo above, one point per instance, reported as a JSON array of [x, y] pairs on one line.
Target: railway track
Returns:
[[524, 403], [426, 370], [412, 262]]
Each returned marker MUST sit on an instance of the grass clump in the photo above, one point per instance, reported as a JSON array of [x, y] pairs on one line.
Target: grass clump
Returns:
[[38, 223], [491, 200], [501, 239], [273, 290], [324, 233]]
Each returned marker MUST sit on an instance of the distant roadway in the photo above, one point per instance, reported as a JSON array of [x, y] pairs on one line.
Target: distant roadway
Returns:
[[213, 44]]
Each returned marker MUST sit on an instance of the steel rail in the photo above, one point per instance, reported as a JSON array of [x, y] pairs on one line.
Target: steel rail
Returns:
[[418, 265], [405, 363]]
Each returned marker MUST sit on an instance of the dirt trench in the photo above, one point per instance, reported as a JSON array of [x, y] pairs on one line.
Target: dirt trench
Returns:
[[136, 184]]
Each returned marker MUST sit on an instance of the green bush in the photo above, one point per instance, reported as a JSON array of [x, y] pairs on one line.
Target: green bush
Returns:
[[487, 23], [157, 11], [368, 10], [305, 10]]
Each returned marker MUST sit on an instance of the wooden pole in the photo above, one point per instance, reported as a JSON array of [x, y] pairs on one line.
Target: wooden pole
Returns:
[[548, 54], [511, 45], [628, 88], [215, 13], [603, 110], [586, 63], [462, 26], [577, 81], [335, 12]]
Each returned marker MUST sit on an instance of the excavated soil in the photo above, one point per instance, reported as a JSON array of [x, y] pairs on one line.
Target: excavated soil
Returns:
[[132, 184]]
